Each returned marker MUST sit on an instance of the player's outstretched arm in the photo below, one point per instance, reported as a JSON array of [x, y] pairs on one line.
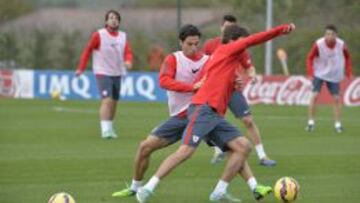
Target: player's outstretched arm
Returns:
[[260, 37]]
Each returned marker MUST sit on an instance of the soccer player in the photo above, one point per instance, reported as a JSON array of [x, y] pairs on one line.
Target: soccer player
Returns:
[[177, 75], [112, 56], [238, 104], [325, 64], [208, 107]]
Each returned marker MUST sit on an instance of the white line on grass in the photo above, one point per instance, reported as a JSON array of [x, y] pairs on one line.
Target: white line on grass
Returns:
[[73, 110], [295, 117]]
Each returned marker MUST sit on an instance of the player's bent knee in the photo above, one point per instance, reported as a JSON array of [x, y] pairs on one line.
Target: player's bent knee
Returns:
[[146, 148], [241, 145], [336, 98], [185, 151], [248, 121]]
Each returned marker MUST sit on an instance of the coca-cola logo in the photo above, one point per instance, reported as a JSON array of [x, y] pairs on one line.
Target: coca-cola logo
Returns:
[[282, 91], [294, 91], [264, 91], [352, 93]]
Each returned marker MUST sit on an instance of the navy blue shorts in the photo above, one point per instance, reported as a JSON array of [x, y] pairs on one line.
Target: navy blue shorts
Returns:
[[109, 86], [206, 123], [171, 130], [238, 105], [333, 87]]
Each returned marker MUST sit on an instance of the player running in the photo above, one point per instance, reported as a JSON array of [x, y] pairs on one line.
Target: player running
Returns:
[[208, 107], [238, 104]]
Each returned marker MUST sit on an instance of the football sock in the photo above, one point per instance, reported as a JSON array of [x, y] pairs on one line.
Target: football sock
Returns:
[[136, 184], [252, 183], [221, 187], [311, 122], [106, 125], [337, 124], [260, 151], [152, 183], [218, 150]]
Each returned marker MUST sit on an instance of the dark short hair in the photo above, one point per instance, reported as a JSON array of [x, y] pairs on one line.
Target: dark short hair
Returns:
[[229, 18], [331, 27], [233, 32], [118, 16], [188, 30]]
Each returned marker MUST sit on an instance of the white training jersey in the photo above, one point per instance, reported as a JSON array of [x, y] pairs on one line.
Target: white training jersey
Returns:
[[330, 63], [186, 71], [109, 58]]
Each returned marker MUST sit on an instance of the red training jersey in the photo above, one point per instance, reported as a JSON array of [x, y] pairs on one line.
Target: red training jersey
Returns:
[[212, 44], [221, 68]]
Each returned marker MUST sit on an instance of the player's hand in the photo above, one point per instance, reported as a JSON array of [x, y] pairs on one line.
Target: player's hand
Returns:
[[239, 82], [350, 77], [197, 85], [128, 65], [253, 80], [78, 73], [289, 28], [310, 77]]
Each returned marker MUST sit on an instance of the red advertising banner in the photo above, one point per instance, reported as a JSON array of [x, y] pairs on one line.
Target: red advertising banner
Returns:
[[296, 90]]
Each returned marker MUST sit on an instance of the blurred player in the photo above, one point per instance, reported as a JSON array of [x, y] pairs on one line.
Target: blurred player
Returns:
[[112, 56], [206, 112], [238, 104], [178, 74], [328, 60]]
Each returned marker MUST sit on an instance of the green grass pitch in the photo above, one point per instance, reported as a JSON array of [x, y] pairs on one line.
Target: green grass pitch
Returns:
[[48, 146]]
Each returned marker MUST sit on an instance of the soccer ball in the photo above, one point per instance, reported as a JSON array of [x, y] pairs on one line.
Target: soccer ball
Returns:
[[55, 94], [61, 197], [286, 189]]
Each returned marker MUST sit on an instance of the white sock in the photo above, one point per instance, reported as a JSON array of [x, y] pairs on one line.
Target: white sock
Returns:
[[260, 151], [152, 183], [311, 122], [135, 185], [221, 187], [218, 150], [252, 183], [337, 124], [106, 125]]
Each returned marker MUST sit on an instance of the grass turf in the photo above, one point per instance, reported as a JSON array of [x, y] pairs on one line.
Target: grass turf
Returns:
[[48, 146]]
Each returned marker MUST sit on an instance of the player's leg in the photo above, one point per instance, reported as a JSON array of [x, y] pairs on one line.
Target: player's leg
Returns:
[[218, 155], [228, 138], [241, 110], [141, 163], [259, 191], [109, 89], [162, 136], [202, 119], [316, 83], [334, 89], [107, 106], [240, 149]]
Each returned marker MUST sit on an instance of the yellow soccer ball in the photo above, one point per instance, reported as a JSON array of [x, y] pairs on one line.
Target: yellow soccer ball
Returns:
[[61, 197], [286, 189], [55, 94]]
